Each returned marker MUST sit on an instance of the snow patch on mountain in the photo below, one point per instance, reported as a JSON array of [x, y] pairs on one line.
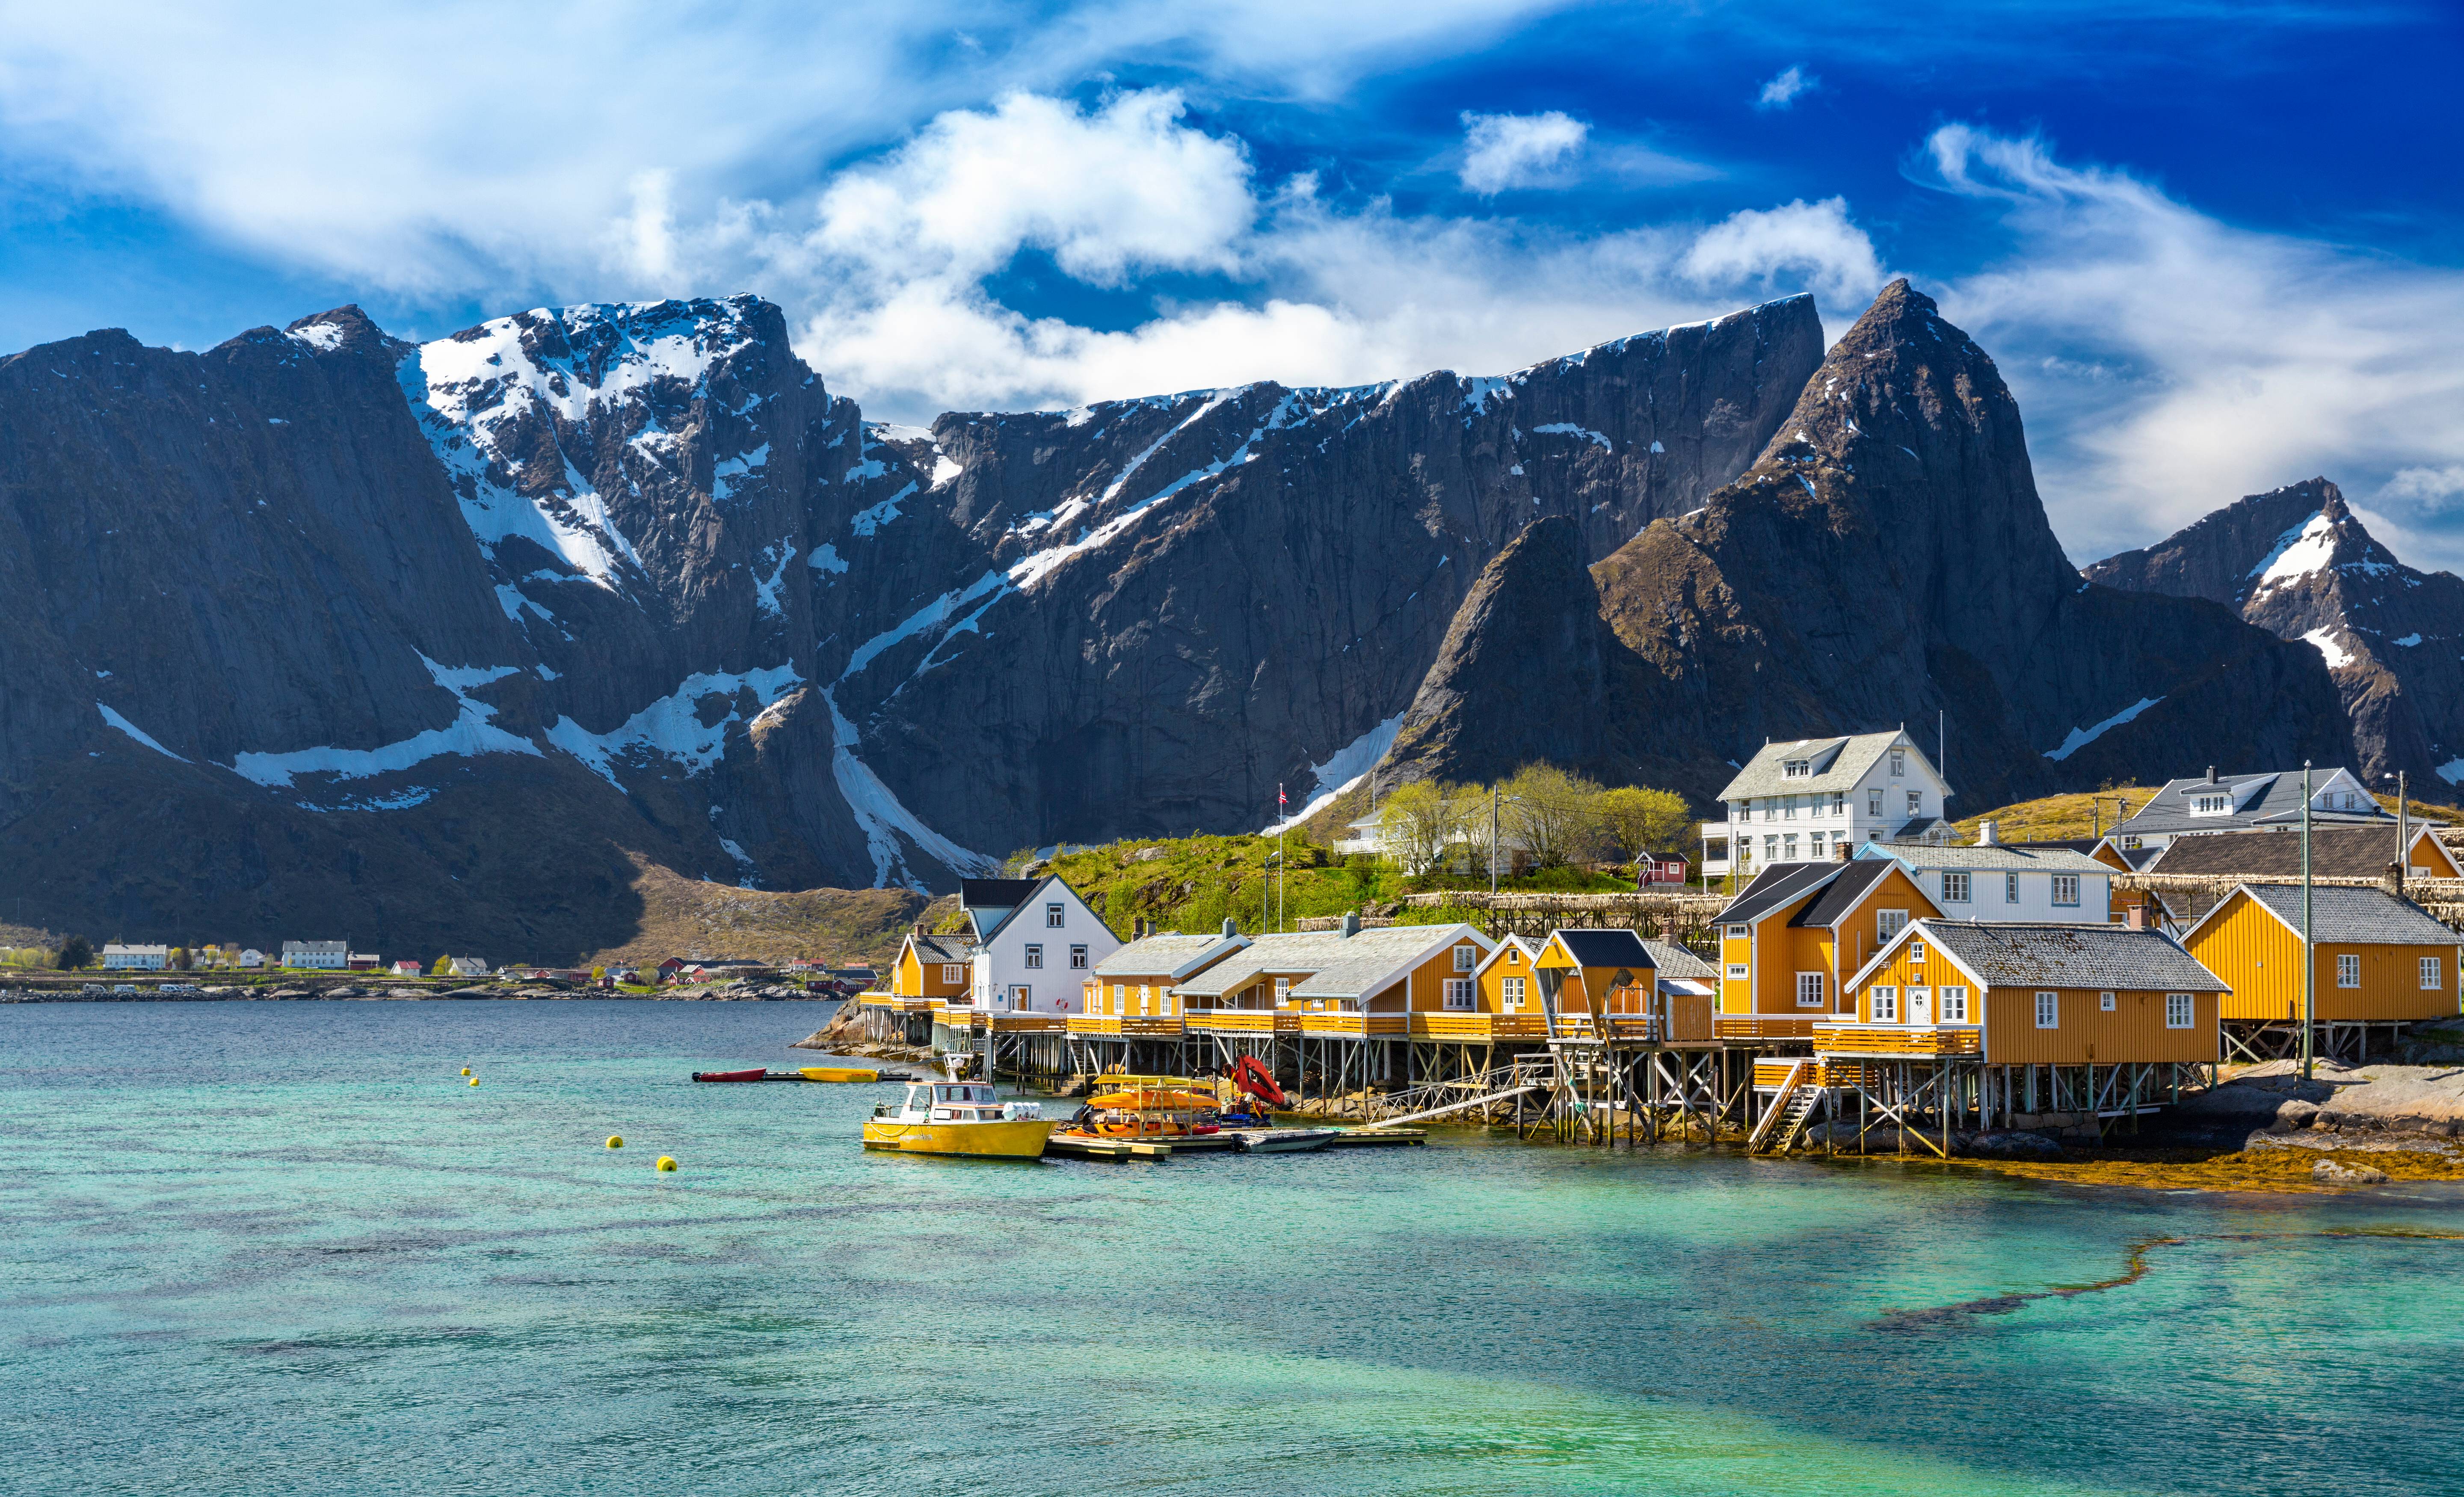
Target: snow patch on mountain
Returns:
[[2081, 737], [883, 819], [672, 727], [766, 591], [2298, 553], [470, 734], [729, 474], [2324, 639], [1344, 768], [1570, 428], [115, 721]]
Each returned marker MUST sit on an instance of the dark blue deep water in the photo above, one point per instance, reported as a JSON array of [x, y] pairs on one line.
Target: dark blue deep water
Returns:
[[258, 1248]]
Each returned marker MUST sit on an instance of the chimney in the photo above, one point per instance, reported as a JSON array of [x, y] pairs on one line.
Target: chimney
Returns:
[[920, 929], [2134, 914], [1839, 851], [1351, 924], [1230, 930], [2212, 774], [1989, 834]]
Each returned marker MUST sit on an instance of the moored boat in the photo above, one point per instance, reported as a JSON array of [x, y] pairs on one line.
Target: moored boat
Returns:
[[964, 1118], [756, 1073]]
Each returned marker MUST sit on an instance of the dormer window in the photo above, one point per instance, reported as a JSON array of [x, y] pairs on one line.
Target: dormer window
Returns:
[[1797, 769], [2210, 805]]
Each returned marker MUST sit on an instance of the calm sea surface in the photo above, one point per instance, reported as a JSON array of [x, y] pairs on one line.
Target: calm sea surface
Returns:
[[285, 1248]]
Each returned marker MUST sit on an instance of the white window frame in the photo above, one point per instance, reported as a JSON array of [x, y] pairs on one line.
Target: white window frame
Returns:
[[2010, 888], [1738, 972], [2105, 1002], [1466, 957], [1916, 803], [1790, 841], [1021, 997], [1873, 801], [2180, 1011], [1883, 1003], [1034, 957], [1457, 992], [2049, 1010], [1956, 888], [1916, 950], [1511, 994], [2433, 973], [953, 973], [2348, 969], [1888, 923], [2063, 882], [1283, 992], [1951, 1004], [1899, 763], [1809, 990]]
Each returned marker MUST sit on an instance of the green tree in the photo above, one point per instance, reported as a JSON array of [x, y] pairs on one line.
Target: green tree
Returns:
[[177, 959], [1419, 822], [1637, 820], [444, 968], [77, 954], [1551, 813]]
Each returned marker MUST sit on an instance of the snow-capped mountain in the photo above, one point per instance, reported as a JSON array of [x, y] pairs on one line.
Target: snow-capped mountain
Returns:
[[2297, 563]]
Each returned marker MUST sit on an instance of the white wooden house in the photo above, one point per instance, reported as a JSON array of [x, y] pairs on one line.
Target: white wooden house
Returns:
[[1037, 943], [1802, 801]]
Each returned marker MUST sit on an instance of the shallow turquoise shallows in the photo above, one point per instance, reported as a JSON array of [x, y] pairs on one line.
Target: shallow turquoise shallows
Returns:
[[288, 1248]]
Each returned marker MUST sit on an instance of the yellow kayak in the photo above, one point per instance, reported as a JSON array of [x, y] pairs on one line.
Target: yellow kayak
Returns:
[[1023, 1140], [833, 1073]]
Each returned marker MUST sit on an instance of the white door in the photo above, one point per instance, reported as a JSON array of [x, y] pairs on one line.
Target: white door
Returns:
[[1920, 1005]]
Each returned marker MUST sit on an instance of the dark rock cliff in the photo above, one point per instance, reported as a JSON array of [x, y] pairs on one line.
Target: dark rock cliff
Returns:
[[2297, 563]]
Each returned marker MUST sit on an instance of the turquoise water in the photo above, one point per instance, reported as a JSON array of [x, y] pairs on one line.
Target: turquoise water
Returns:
[[285, 1248]]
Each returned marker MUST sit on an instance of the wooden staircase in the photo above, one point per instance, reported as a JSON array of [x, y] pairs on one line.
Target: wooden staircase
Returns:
[[1791, 1108]]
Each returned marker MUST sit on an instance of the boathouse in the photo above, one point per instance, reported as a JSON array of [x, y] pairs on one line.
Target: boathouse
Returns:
[[1787, 941], [2377, 964]]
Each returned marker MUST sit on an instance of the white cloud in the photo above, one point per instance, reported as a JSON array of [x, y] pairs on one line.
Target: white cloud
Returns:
[[1782, 91], [2170, 363], [1816, 241], [1502, 151]]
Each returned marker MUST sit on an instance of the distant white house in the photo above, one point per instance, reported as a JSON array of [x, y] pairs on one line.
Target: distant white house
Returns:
[[251, 957], [1814, 799], [2257, 802], [331, 956], [1036, 944], [405, 969], [468, 967], [117, 958]]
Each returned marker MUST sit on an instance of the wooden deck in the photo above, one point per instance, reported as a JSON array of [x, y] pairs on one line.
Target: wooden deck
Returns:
[[1920, 1041], [1356, 1026]]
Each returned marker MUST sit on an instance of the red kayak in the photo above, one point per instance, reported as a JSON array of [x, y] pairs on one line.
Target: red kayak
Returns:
[[756, 1073]]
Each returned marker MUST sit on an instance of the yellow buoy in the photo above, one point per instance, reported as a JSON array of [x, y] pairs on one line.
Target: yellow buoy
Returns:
[[474, 1081], [667, 1164], [466, 1071], [615, 1140]]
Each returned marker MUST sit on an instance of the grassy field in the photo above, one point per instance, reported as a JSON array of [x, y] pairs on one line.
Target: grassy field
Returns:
[[688, 917], [2058, 816]]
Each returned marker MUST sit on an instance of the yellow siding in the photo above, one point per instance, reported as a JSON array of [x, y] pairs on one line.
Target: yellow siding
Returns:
[[1428, 979], [1510, 962], [2134, 1032], [908, 979], [1736, 996], [2429, 852], [2249, 947]]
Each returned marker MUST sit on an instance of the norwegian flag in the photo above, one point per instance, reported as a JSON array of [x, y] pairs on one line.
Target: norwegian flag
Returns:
[[1281, 803]]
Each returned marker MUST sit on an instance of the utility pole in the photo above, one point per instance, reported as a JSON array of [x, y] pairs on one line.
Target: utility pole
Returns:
[[2309, 958], [1492, 844], [2402, 842], [1282, 864]]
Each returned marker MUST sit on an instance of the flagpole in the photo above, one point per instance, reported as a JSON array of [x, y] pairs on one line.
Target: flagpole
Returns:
[[2309, 956], [1283, 871]]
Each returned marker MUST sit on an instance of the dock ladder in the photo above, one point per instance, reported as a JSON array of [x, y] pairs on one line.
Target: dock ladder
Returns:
[[1791, 1108]]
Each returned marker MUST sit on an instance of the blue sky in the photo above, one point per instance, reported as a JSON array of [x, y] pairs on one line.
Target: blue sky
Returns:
[[2214, 247]]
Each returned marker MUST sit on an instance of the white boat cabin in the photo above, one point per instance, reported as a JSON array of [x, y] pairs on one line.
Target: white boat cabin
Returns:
[[955, 1102]]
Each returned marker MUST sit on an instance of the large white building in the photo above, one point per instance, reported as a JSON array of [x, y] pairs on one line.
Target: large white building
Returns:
[[2268, 799], [331, 956], [1036, 944], [117, 958], [1995, 884], [1805, 801]]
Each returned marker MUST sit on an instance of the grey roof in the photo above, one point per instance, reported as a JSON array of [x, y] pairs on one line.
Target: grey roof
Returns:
[[2354, 916], [1839, 764], [1611, 948], [2335, 853], [1855, 879], [2025, 954], [1167, 956], [1676, 961], [1778, 884], [941, 948], [1998, 858], [2266, 796], [1331, 959]]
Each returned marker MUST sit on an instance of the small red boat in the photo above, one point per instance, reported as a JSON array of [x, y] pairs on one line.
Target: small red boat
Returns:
[[756, 1073]]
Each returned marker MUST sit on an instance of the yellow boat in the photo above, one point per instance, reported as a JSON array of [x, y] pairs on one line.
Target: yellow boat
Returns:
[[964, 1118], [835, 1074]]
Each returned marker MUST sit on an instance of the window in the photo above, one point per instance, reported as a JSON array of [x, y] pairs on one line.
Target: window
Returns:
[[1899, 763], [1511, 990], [1077, 958], [1954, 1005], [1737, 971], [1790, 841], [1814, 846], [1770, 848], [1053, 916], [1119, 993], [2210, 805], [2049, 1010], [1458, 992], [1035, 955], [1888, 923], [1874, 803], [1915, 803], [2131, 842], [2348, 970], [1513, 956], [1466, 957], [1797, 769], [2104, 1003], [1885, 1003], [1838, 803], [2066, 888], [953, 973], [1954, 888], [1916, 951], [1283, 992], [2178, 1011], [2431, 980], [1737, 932], [1809, 990], [2010, 888]]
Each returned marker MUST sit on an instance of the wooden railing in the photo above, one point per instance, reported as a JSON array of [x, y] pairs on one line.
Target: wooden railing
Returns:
[[1036, 1024], [1354, 1023], [1763, 1027], [1929, 1040], [1124, 1023], [1244, 1021], [1435, 1026]]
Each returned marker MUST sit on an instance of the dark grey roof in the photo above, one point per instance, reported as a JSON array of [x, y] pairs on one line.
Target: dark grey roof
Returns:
[[2268, 796], [1778, 884], [1841, 894], [1604, 948], [2355, 917], [2107, 956], [945, 948], [1676, 961], [994, 893], [2335, 853]]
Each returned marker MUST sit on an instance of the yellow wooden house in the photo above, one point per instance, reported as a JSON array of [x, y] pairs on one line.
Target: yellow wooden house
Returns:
[[1791, 938], [2023, 994], [1586, 977], [2374, 958]]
